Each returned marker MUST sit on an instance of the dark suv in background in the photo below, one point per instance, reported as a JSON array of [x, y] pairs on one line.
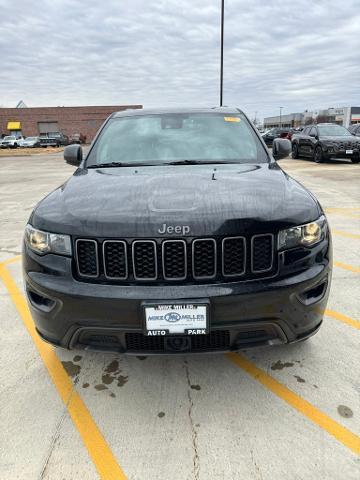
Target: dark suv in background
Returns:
[[270, 135], [56, 139], [324, 141], [355, 129]]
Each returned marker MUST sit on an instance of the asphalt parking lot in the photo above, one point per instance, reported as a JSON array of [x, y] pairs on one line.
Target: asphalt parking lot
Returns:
[[286, 412]]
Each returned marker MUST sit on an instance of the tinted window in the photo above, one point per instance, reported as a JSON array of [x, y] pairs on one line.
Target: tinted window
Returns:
[[333, 130], [163, 138]]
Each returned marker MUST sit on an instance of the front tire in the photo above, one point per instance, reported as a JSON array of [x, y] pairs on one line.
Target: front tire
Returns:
[[318, 155], [295, 151], [355, 160]]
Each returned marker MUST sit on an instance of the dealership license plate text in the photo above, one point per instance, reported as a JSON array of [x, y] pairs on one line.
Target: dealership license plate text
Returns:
[[176, 319]]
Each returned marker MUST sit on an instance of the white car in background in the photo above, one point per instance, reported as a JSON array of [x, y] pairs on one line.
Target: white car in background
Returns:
[[30, 142], [11, 141]]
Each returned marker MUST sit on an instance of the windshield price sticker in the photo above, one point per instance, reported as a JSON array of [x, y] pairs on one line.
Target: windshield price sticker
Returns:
[[232, 119], [176, 319]]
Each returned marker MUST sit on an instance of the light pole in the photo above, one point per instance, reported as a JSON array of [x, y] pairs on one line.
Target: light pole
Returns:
[[222, 53], [280, 116]]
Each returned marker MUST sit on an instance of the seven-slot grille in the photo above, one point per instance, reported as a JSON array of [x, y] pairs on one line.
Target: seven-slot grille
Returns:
[[176, 259]]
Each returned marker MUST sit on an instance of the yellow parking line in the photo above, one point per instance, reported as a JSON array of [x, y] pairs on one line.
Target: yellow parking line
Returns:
[[342, 434], [342, 209], [345, 266], [98, 449], [345, 234], [343, 318], [11, 260], [343, 212]]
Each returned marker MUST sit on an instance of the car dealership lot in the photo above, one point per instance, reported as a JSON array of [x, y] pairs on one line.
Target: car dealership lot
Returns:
[[281, 412]]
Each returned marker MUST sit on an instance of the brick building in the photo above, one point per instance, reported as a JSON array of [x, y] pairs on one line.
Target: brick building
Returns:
[[68, 120]]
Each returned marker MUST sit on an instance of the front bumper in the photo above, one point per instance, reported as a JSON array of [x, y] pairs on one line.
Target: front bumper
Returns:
[[341, 154], [73, 314]]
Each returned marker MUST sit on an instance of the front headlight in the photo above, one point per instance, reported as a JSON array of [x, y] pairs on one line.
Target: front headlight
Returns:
[[44, 242], [304, 235]]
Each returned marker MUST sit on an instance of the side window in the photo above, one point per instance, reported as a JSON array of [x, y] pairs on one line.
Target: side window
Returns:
[[313, 132]]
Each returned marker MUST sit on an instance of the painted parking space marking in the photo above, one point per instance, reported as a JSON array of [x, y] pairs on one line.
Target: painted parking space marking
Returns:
[[96, 445], [109, 469], [341, 233], [11, 260], [346, 266], [342, 434], [343, 318], [344, 212]]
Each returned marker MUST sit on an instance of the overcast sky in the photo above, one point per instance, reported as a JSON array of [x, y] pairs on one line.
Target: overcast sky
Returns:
[[299, 55]]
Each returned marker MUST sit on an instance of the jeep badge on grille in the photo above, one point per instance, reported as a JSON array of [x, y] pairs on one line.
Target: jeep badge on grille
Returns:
[[184, 229]]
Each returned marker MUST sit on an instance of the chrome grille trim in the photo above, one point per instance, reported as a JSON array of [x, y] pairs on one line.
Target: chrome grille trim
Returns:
[[142, 279], [172, 279], [253, 270], [105, 259], [229, 275], [96, 256]]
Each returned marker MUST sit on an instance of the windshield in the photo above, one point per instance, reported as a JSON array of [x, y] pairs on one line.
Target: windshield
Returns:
[[9, 138], [30, 138], [333, 130], [164, 138]]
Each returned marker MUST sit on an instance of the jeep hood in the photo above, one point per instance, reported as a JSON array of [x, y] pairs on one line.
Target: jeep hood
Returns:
[[229, 199]]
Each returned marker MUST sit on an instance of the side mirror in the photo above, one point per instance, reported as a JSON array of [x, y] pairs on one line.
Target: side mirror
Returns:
[[281, 148], [73, 155]]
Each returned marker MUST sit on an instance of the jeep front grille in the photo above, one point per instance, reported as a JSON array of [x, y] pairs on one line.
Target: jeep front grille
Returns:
[[174, 259], [116, 259], [204, 258], [262, 253], [87, 258], [188, 260], [144, 260]]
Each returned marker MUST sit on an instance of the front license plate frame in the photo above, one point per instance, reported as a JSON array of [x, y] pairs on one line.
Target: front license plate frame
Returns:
[[185, 325], [349, 152]]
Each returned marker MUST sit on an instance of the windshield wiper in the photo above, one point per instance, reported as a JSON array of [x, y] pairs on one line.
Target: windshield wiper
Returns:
[[196, 162], [139, 164], [120, 164]]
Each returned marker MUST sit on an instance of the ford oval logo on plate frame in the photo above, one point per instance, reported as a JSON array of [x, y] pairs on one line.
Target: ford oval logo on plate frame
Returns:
[[172, 317]]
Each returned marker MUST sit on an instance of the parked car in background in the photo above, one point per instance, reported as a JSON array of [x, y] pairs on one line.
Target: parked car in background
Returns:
[[11, 141], [355, 129], [30, 142], [292, 131], [54, 140], [270, 135], [78, 138], [324, 141]]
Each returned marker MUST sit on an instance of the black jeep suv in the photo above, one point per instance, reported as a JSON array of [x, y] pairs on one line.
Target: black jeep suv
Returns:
[[324, 141], [177, 233]]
